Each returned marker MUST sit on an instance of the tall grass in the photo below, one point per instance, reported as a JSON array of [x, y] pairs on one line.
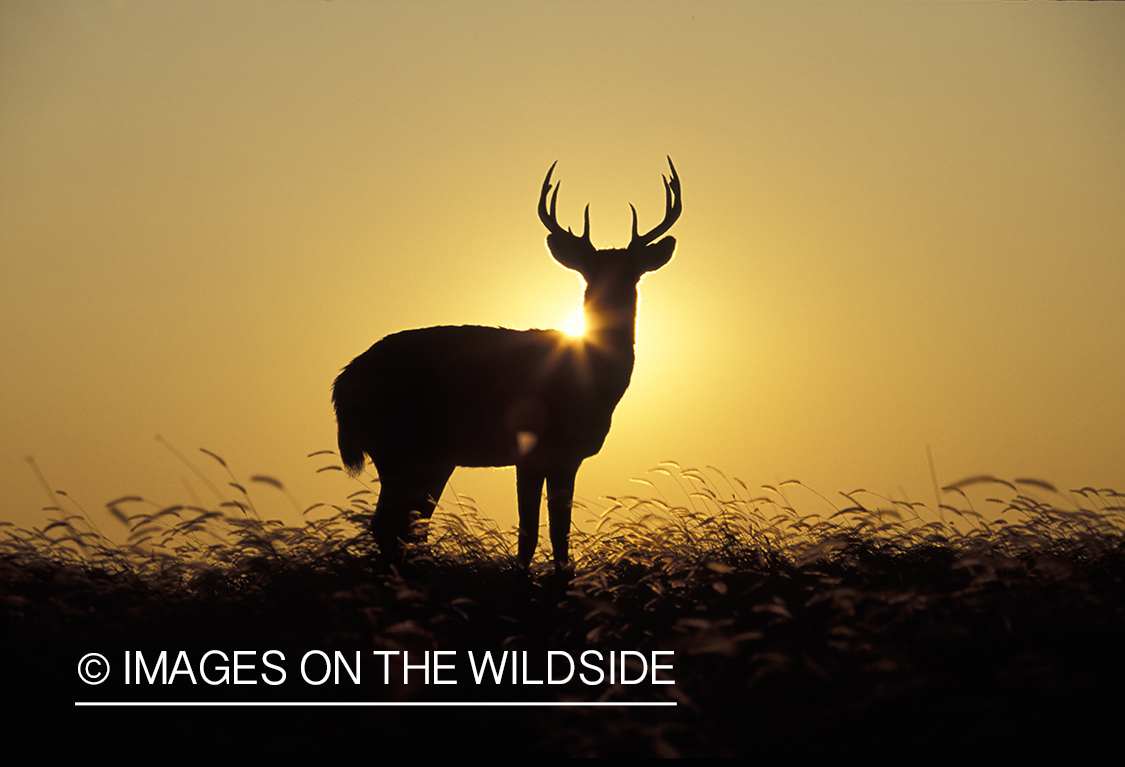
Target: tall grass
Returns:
[[695, 516], [871, 621]]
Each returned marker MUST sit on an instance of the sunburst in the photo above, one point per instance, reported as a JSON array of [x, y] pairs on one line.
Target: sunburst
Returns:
[[575, 325]]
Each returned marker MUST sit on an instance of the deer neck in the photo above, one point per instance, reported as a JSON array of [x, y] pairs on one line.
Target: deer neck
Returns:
[[611, 326]]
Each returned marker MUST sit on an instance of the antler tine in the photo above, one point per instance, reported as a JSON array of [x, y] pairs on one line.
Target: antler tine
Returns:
[[549, 217], [673, 207]]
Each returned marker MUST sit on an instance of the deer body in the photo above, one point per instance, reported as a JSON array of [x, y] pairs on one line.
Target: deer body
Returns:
[[463, 396], [422, 402]]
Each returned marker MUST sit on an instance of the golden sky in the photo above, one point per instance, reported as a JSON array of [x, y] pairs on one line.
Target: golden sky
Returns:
[[902, 228]]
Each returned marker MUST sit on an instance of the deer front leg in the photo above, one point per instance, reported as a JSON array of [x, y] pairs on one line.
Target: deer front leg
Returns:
[[529, 492], [560, 500]]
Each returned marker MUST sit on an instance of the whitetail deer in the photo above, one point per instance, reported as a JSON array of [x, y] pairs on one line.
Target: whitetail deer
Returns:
[[423, 402]]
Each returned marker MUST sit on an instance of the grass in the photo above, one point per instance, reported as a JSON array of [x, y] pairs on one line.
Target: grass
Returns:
[[869, 627]]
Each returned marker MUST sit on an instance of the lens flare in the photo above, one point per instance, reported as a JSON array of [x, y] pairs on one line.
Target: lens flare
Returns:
[[575, 324]]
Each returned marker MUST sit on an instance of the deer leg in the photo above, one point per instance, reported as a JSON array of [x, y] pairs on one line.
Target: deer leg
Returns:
[[432, 482], [391, 522], [529, 493], [560, 500], [402, 491]]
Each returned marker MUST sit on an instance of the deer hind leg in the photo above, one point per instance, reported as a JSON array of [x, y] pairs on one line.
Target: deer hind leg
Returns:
[[560, 500], [403, 490]]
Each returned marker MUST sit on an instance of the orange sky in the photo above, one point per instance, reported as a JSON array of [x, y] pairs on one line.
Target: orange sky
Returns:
[[902, 228]]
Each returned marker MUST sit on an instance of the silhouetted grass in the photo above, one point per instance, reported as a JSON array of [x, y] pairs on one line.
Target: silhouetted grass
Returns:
[[870, 627]]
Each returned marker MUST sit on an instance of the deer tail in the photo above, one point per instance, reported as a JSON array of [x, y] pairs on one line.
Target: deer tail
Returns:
[[349, 426]]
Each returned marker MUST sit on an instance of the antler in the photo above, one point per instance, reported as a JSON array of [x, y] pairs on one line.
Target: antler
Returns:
[[550, 220], [673, 206]]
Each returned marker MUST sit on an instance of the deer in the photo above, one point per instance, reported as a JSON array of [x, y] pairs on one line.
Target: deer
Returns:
[[423, 402]]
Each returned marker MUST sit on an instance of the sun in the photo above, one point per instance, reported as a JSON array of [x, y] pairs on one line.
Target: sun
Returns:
[[575, 325]]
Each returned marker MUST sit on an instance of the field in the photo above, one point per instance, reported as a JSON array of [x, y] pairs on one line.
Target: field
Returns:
[[867, 628]]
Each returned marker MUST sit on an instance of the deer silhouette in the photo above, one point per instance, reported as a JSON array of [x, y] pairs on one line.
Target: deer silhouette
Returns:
[[423, 402]]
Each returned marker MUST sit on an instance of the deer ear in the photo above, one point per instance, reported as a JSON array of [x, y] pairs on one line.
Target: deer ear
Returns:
[[569, 251], [656, 255]]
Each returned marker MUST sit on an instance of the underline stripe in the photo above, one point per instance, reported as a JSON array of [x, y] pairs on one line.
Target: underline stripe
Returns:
[[389, 704]]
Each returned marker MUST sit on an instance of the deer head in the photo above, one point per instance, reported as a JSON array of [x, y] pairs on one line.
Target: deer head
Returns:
[[642, 255]]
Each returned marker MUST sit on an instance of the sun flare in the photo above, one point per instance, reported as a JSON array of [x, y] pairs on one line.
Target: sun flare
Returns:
[[575, 325]]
